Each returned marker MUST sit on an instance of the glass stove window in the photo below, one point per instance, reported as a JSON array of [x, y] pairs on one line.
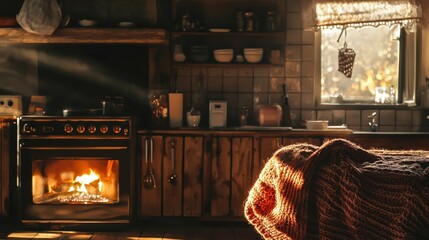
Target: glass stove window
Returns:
[[82, 181], [376, 70]]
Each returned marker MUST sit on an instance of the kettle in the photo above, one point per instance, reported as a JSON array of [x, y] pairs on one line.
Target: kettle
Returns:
[[269, 116]]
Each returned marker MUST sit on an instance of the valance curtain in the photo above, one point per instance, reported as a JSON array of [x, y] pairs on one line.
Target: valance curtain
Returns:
[[319, 14]]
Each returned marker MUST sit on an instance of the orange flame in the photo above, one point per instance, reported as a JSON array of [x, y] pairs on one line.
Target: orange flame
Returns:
[[86, 179]]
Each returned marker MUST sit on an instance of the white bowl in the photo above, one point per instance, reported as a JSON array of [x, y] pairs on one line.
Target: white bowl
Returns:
[[223, 55], [87, 22], [317, 124], [253, 58]]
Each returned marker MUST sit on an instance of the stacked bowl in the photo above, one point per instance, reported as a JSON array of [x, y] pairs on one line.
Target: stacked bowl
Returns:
[[253, 55], [223, 55]]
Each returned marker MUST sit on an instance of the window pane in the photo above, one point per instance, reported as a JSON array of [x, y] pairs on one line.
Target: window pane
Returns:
[[375, 69]]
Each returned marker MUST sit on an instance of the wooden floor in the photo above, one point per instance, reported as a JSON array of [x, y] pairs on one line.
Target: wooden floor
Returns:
[[223, 231]]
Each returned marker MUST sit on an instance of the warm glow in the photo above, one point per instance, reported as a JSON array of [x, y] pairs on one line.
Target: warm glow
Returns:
[[86, 179], [75, 181], [368, 13]]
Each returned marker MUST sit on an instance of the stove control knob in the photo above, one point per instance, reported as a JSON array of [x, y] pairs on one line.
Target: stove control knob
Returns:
[[116, 129], [68, 128], [104, 129], [27, 129], [80, 128], [92, 128]]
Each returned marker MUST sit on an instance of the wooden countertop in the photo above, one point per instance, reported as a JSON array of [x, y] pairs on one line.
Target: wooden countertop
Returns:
[[235, 131]]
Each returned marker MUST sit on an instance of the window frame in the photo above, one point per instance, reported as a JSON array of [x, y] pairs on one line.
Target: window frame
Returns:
[[407, 74]]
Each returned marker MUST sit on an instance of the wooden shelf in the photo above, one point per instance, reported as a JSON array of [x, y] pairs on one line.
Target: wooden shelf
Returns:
[[229, 34], [232, 64], [150, 36]]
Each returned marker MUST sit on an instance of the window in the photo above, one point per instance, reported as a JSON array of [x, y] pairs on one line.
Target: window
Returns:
[[383, 69], [383, 35]]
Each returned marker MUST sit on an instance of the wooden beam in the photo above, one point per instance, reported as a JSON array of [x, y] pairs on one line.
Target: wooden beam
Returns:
[[154, 36]]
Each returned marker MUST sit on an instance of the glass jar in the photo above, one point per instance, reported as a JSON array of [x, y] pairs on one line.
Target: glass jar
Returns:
[[186, 22], [271, 24], [249, 16]]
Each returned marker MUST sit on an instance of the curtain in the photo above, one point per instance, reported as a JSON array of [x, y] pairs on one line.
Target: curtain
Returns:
[[318, 14]]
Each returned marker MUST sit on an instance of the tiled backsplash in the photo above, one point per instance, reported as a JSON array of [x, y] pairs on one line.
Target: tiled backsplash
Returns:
[[252, 86]]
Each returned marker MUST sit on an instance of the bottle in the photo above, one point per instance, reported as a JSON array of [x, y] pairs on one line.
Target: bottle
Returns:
[[244, 113], [392, 95], [271, 25], [186, 22], [286, 119], [249, 21]]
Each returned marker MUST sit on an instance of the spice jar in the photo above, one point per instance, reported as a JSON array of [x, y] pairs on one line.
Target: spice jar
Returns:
[[249, 16]]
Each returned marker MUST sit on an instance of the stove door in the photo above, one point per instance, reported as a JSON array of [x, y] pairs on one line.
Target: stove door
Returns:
[[82, 184]]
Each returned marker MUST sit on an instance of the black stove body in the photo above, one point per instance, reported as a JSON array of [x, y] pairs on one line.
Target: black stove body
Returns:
[[75, 169]]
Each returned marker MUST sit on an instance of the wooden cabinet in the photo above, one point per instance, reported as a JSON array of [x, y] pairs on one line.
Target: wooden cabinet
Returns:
[[7, 168], [183, 198], [231, 175], [215, 172], [150, 199]]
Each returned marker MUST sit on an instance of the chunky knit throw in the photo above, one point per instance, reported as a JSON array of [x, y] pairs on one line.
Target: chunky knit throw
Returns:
[[341, 191]]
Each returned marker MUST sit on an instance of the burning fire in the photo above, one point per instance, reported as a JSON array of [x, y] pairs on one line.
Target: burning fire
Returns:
[[85, 180], [64, 182]]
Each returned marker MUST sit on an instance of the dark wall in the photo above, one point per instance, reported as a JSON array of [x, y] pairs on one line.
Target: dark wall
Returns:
[[9, 8], [80, 76]]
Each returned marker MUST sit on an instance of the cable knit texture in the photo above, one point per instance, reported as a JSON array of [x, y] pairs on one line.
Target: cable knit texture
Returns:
[[341, 191]]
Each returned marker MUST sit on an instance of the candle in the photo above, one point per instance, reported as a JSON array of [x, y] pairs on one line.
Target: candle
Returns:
[[176, 109]]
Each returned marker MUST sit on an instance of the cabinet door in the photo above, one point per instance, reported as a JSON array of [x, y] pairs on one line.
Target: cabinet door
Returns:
[[172, 163], [241, 173], [150, 199], [263, 149], [221, 176], [192, 176], [231, 175]]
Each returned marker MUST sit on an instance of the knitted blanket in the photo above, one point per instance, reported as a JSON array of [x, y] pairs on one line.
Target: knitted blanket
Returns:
[[341, 191]]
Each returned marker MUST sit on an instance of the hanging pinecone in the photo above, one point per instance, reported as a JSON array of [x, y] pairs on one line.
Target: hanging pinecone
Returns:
[[346, 58]]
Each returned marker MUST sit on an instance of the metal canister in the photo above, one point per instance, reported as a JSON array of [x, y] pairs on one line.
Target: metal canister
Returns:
[[249, 16]]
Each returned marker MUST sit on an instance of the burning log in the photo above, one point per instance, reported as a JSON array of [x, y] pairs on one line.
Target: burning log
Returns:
[[53, 197]]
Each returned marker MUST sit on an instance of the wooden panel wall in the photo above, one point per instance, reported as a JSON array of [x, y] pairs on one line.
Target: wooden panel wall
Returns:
[[172, 194], [192, 176], [241, 179], [150, 199], [221, 176]]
